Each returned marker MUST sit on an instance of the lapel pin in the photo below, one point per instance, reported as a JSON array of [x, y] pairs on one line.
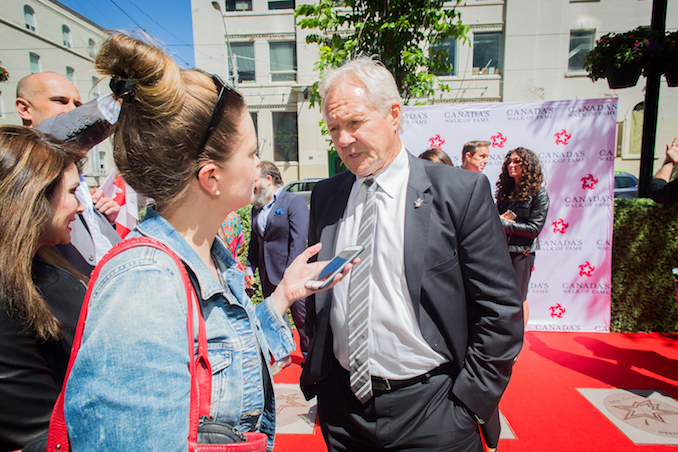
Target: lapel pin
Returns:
[[418, 202]]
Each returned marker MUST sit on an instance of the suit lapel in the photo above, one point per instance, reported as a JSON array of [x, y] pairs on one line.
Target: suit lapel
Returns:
[[417, 219], [329, 224]]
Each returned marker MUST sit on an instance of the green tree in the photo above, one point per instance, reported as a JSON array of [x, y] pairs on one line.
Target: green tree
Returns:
[[406, 35]]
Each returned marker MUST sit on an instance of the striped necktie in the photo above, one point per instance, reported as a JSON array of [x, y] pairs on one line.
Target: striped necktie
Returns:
[[359, 301]]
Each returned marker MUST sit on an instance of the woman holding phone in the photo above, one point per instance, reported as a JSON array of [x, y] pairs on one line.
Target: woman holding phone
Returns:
[[185, 139], [523, 204]]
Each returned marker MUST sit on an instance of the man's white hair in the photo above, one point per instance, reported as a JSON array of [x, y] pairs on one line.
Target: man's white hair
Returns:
[[379, 84]]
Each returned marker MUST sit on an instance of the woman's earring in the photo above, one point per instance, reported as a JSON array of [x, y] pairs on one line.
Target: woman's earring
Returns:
[[217, 193]]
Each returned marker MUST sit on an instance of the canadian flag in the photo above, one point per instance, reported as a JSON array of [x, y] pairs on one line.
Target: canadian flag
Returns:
[[116, 188]]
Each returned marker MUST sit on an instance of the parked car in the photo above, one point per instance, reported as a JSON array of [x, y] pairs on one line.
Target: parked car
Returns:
[[303, 187], [625, 185]]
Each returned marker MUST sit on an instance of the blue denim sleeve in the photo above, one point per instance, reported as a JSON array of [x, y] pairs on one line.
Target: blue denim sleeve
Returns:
[[275, 328], [129, 388]]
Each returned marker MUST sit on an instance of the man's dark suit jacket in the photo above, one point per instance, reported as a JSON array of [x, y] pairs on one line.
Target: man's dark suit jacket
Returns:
[[283, 240], [459, 275]]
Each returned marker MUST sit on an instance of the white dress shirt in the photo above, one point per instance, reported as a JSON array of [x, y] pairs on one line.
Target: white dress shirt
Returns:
[[396, 346]]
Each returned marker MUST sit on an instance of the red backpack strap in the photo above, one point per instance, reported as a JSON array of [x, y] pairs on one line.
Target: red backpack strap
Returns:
[[201, 372]]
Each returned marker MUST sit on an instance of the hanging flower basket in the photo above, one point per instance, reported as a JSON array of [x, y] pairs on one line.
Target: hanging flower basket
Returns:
[[622, 57], [4, 75], [670, 58], [623, 77]]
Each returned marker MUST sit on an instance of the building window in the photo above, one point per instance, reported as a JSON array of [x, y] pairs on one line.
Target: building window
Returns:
[[448, 48], [581, 43], [95, 87], [92, 50], [285, 142], [102, 162], [283, 61], [488, 49], [29, 17], [70, 74], [35, 62], [238, 5], [280, 4], [66, 36], [244, 52]]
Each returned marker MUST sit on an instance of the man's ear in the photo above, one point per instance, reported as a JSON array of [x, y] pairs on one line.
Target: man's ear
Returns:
[[467, 157], [396, 112], [24, 109]]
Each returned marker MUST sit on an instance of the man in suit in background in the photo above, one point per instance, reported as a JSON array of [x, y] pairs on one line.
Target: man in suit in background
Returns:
[[474, 155], [415, 347], [46, 95], [279, 232]]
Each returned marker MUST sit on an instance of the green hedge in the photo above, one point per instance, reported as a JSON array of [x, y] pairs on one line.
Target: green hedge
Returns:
[[644, 250]]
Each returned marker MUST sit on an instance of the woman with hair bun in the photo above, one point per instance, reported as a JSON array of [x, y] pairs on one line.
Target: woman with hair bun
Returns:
[[523, 204], [185, 139], [40, 293]]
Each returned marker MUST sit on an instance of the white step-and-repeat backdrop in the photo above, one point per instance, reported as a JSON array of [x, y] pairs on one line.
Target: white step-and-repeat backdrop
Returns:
[[570, 285]]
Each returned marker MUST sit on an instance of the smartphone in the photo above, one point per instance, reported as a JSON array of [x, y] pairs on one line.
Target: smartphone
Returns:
[[510, 214], [334, 267]]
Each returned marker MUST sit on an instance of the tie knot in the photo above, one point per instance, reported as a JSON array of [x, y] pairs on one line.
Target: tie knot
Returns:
[[370, 184]]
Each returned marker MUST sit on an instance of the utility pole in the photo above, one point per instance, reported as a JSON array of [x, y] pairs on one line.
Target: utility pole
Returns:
[[651, 110], [233, 59]]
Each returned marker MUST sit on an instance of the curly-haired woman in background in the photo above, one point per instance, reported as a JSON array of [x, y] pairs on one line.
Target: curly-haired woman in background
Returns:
[[40, 293], [523, 204]]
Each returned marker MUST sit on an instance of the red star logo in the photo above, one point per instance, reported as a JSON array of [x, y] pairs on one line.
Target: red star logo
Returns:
[[436, 141], [645, 409], [557, 311], [560, 226], [586, 270], [498, 140], [562, 137], [589, 182]]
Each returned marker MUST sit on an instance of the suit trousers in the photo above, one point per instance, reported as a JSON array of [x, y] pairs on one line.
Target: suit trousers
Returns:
[[420, 417]]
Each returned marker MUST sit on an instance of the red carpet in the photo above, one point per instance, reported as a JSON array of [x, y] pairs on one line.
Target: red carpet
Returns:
[[542, 404]]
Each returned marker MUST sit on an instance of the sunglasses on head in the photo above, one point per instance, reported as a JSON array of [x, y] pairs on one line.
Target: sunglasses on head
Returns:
[[224, 91]]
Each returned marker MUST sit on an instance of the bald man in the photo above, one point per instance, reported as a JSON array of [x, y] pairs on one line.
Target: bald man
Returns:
[[46, 95]]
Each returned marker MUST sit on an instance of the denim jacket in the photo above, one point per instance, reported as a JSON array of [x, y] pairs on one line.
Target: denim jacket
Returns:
[[129, 388]]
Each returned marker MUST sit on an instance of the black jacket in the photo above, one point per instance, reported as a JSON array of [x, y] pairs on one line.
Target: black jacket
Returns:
[[531, 217], [663, 192], [32, 372]]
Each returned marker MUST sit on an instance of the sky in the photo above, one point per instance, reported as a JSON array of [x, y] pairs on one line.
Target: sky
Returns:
[[167, 21]]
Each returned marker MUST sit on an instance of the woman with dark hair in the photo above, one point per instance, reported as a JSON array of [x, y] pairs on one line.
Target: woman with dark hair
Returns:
[[523, 204], [185, 139], [436, 155], [40, 293]]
